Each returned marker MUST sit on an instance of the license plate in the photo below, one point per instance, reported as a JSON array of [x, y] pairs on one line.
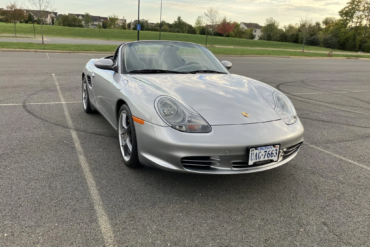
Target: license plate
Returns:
[[268, 153]]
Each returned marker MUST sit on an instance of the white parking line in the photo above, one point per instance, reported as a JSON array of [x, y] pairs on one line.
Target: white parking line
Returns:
[[47, 55], [103, 219], [44, 103], [339, 157]]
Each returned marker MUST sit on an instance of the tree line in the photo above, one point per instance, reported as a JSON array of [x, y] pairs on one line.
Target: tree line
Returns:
[[348, 32]]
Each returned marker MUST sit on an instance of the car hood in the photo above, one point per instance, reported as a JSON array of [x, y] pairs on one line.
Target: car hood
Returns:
[[219, 98]]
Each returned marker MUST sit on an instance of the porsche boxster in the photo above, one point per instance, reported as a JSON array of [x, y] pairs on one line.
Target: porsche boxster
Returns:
[[175, 106]]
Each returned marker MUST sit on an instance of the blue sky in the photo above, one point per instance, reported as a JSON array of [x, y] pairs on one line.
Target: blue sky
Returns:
[[285, 11]]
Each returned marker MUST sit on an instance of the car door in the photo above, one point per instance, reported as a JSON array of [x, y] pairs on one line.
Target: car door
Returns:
[[106, 88]]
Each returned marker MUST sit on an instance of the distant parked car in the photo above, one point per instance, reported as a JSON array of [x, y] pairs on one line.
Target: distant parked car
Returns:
[[176, 107]]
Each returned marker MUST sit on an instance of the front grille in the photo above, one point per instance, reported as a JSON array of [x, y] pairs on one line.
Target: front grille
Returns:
[[285, 153], [291, 150], [200, 162], [244, 164]]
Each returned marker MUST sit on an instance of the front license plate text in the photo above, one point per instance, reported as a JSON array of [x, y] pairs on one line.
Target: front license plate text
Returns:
[[264, 154]]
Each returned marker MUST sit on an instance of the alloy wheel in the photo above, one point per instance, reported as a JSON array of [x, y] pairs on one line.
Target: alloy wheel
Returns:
[[124, 136]]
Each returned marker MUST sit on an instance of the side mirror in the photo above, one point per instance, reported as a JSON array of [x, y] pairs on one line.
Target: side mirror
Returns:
[[104, 64], [227, 64]]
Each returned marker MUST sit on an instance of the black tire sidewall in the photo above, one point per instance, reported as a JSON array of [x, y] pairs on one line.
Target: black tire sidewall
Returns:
[[88, 105], [133, 162]]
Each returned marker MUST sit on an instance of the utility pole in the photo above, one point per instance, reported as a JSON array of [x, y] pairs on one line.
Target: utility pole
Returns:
[[160, 23], [363, 38], [138, 20]]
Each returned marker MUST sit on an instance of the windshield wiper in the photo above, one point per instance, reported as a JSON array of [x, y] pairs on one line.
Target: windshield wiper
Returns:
[[206, 71], [155, 71]]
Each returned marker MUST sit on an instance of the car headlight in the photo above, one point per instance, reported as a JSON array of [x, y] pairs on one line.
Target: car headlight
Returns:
[[180, 117], [285, 108]]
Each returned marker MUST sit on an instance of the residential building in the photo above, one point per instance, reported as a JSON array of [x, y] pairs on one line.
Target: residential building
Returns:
[[257, 29], [96, 20], [47, 16]]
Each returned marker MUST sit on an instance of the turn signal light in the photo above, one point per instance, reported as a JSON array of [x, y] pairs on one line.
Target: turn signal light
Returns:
[[138, 120]]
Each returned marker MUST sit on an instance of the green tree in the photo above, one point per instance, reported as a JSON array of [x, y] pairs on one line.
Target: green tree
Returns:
[[250, 34], [239, 32], [144, 25], [305, 27], [70, 21], [198, 24], [180, 26], [165, 28], [87, 20], [14, 14], [271, 29], [31, 19], [104, 24], [112, 22], [123, 26], [328, 21], [352, 20]]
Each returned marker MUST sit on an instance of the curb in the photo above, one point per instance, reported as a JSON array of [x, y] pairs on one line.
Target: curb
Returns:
[[298, 57]]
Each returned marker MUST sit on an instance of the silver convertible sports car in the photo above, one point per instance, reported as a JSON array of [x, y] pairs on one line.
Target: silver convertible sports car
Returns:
[[176, 107]]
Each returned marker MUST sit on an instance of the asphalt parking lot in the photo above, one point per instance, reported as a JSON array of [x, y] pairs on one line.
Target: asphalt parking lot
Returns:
[[54, 193]]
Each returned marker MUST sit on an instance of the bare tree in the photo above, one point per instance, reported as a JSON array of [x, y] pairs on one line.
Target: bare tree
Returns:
[[14, 13], [42, 7], [306, 25], [212, 16]]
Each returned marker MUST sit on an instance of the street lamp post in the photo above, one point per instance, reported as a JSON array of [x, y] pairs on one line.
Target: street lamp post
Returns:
[[206, 34], [138, 20], [160, 23], [363, 38]]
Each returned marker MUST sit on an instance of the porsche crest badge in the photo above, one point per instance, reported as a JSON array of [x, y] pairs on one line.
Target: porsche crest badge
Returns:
[[245, 114]]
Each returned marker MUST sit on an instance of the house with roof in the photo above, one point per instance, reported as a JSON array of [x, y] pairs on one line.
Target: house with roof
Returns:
[[48, 16], [257, 29], [96, 20]]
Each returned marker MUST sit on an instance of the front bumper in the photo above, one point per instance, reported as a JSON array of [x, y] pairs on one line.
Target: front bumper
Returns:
[[225, 146]]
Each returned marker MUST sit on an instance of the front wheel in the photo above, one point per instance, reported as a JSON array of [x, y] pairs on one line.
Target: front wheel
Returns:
[[127, 138], [85, 97]]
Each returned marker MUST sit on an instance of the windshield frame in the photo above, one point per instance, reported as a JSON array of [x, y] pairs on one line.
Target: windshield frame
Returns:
[[202, 48]]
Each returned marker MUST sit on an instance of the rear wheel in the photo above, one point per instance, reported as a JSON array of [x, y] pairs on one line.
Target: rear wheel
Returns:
[[85, 97], [127, 138]]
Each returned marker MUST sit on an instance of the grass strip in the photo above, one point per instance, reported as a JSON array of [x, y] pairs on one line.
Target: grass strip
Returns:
[[215, 50], [130, 35]]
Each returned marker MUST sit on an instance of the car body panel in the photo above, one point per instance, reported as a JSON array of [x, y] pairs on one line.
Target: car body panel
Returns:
[[228, 142], [219, 98]]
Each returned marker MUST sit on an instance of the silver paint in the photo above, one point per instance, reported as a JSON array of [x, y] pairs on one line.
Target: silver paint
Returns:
[[218, 98]]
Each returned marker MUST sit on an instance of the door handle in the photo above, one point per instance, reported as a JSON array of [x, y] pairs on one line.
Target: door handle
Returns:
[[93, 75]]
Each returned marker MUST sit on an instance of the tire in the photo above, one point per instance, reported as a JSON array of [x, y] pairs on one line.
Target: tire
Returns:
[[85, 97], [127, 138]]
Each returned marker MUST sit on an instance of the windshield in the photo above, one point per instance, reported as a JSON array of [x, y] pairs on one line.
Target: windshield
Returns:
[[170, 57]]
